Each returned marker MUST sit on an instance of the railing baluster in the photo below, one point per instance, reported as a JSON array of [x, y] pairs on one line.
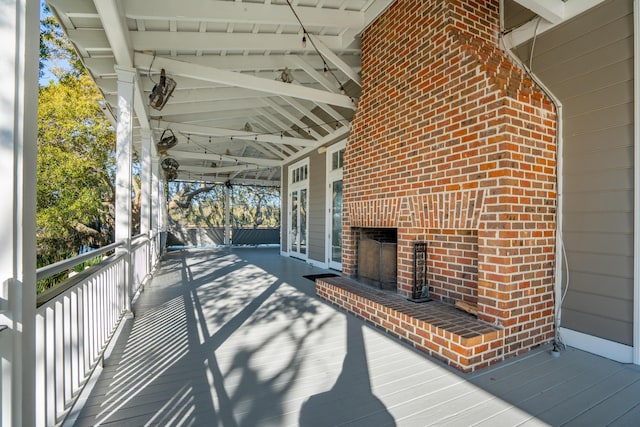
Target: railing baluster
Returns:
[[50, 376], [75, 383], [75, 324], [59, 357], [66, 350], [41, 369]]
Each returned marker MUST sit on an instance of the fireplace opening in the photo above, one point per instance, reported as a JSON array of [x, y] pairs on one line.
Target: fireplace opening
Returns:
[[377, 257]]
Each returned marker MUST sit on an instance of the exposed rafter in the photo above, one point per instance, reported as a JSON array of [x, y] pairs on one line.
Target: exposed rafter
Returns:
[[179, 68], [236, 134], [244, 13], [223, 157], [551, 12]]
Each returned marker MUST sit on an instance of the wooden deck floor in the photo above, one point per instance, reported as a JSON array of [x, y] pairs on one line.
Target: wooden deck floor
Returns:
[[238, 338]]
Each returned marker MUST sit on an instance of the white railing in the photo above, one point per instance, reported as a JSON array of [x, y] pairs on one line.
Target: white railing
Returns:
[[76, 320]]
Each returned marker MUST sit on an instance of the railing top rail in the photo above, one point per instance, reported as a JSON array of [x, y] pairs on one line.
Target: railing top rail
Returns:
[[50, 270], [139, 240]]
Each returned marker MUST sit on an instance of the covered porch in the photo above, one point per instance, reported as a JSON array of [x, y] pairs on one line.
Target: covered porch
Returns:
[[237, 337]]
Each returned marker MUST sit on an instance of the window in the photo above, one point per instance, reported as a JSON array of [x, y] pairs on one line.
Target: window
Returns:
[[337, 159], [299, 174]]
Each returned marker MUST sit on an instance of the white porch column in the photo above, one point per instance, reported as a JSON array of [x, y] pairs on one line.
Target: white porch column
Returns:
[[227, 216], [145, 181], [155, 206], [163, 206], [124, 140], [19, 33]]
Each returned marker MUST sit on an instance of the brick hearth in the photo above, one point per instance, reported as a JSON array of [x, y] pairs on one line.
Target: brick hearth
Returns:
[[455, 337], [453, 145]]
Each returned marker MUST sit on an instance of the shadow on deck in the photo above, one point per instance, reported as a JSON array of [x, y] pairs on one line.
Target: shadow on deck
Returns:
[[238, 338]]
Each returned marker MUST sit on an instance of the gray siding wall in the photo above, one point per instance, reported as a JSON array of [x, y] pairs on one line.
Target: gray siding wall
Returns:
[[284, 209], [317, 206], [588, 63]]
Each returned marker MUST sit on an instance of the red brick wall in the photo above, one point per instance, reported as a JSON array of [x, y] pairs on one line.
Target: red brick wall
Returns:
[[449, 134], [452, 265]]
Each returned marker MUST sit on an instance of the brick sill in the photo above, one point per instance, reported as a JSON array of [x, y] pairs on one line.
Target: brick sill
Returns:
[[448, 334]]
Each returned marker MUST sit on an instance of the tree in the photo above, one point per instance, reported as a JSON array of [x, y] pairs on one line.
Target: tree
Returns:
[[203, 205], [75, 193]]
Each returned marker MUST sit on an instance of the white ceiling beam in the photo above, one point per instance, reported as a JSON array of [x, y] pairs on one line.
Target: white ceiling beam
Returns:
[[264, 149], [551, 10], [69, 7], [242, 13], [328, 54], [117, 35], [309, 114], [332, 112], [260, 62], [293, 119], [188, 176], [272, 118], [236, 134], [222, 157], [217, 94], [375, 9], [566, 10], [335, 136], [212, 106], [162, 40], [219, 169], [246, 81], [298, 62]]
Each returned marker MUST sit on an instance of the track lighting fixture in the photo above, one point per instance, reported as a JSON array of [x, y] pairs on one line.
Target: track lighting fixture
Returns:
[[304, 41]]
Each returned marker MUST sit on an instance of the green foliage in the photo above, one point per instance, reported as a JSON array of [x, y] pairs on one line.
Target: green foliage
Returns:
[[56, 51], [75, 169], [200, 205]]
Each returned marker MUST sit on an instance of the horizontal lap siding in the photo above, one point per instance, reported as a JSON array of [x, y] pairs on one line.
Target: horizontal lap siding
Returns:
[[588, 63], [317, 208]]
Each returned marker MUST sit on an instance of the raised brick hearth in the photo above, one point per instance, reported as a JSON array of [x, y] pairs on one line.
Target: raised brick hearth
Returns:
[[440, 330], [453, 145]]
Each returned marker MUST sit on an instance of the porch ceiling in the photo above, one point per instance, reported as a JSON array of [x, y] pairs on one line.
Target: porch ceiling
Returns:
[[234, 117]]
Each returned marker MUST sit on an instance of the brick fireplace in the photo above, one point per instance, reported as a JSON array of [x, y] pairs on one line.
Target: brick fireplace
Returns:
[[453, 145]]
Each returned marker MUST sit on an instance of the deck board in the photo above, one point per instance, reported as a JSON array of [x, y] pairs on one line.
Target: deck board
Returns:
[[238, 338]]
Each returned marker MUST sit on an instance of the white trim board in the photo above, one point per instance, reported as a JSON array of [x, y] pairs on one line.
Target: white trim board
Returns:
[[605, 348]]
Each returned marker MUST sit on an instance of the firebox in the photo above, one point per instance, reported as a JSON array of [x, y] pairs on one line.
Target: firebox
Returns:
[[377, 258]]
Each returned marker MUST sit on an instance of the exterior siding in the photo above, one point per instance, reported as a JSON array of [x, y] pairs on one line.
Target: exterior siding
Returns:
[[317, 206], [316, 211], [284, 210], [588, 63]]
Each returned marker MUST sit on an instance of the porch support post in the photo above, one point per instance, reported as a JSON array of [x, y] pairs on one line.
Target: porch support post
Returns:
[[155, 204], [145, 182], [19, 33], [124, 140], [145, 192], [227, 216]]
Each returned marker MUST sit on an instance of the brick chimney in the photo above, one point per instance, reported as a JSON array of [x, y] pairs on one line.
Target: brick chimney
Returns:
[[453, 145]]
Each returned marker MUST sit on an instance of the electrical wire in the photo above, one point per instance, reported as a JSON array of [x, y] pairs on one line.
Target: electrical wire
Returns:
[[533, 44], [307, 36], [151, 65], [558, 343]]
